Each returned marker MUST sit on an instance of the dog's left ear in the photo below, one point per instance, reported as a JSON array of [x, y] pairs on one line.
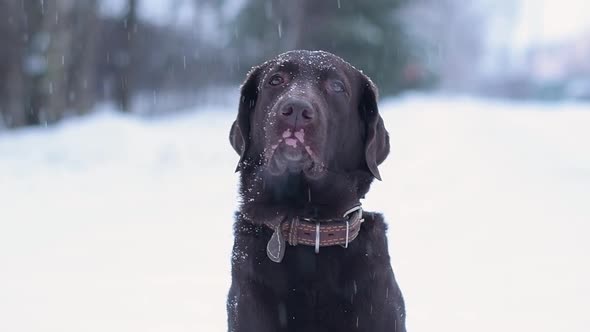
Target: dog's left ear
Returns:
[[376, 137], [239, 135]]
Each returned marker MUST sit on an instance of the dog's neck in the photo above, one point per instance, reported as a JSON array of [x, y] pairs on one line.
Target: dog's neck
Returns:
[[296, 196]]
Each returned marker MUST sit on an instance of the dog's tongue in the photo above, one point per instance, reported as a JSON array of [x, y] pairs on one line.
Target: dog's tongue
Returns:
[[291, 142], [291, 139], [287, 133], [300, 135]]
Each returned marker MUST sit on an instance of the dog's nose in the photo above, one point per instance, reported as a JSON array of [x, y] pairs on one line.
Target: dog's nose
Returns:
[[297, 113]]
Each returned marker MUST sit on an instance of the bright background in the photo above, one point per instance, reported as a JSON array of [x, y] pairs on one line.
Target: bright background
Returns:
[[117, 200]]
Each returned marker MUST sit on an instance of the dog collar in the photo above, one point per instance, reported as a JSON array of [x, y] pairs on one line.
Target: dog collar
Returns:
[[316, 233]]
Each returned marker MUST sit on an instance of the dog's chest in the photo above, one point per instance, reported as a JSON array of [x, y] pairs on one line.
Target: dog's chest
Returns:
[[316, 274], [302, 264]]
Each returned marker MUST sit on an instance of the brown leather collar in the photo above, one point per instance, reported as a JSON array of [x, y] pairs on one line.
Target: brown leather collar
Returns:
[[316, 233]]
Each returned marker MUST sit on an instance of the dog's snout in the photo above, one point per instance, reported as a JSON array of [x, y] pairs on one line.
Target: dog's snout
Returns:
[[297, 113]]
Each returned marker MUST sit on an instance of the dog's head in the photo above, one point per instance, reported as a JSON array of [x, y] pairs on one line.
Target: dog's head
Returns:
[[309, 113]]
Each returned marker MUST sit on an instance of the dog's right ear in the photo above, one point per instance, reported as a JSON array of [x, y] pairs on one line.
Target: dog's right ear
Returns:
[[239, 135]]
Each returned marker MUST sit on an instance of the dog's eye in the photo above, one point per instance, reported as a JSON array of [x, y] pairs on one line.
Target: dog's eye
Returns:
[[337, 86], [276, 80]]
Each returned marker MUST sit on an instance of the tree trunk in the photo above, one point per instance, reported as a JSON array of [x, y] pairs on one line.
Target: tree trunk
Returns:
[[34, 60], [54, 83], [292, 16], [125, 84], [14, 111], [83, 88], [11, 60]]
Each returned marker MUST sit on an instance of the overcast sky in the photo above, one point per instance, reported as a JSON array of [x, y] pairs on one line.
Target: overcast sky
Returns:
[[552, 20]]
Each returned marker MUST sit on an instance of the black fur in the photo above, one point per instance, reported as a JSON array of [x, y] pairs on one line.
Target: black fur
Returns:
[[339, 289]]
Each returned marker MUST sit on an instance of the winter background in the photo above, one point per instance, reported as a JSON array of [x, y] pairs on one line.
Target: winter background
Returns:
[[117, 188]]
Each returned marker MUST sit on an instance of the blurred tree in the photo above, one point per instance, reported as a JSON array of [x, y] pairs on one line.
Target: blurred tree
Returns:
[[82, 56], [12, 44], [366, 33], [53, 89], [48, 66], [35, 60], [59, 57], [124, 59], [449, 37]]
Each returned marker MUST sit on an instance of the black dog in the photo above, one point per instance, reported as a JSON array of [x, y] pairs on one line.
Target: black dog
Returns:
[[306, 258]]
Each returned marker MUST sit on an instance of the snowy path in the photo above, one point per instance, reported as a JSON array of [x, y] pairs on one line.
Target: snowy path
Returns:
[[101, 219]]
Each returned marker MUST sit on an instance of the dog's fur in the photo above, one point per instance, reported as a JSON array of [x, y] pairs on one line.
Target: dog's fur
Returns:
[[319, 174]]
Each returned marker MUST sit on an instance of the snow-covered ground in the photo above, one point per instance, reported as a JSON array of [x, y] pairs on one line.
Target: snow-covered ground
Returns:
[[115, 223]]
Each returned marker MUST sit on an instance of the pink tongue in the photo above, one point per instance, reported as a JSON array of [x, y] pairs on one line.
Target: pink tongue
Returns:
[[300, 136], [291, 142]]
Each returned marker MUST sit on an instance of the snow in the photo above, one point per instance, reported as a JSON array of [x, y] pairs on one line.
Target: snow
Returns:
[[118, 223]]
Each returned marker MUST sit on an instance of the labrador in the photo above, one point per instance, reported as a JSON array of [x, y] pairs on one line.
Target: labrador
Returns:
[[306, 257]]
